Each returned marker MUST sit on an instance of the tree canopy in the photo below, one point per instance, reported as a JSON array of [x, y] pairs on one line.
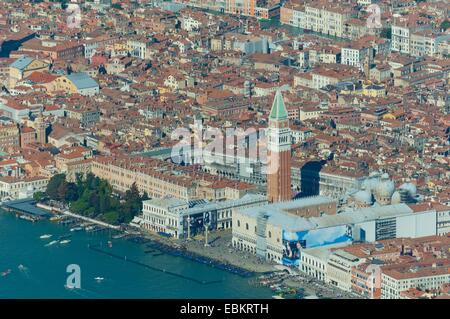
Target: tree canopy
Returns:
[[93, 197], [445, 25], [386, 33]]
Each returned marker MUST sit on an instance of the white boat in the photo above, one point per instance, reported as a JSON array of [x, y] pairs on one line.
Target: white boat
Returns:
[[76, 229], [90, 228], [52, 243], [29, 218], [6, 273], [46, 236], [66, 241], [99, 279], [22, 267]]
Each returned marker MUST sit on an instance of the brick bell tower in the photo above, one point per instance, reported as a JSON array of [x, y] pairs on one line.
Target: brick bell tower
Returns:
[[279, 153]]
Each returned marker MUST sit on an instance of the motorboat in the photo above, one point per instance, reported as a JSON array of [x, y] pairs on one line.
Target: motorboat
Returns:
[[66, 241], [46, 236], [6, 273], [99, 279], [52, 243], [76, 229]]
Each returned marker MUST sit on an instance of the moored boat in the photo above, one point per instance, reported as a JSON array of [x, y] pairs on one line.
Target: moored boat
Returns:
[[56, 218], [91, 228], [29, 218]]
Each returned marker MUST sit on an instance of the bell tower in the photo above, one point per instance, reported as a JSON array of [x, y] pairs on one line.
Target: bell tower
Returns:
[[279, 153], [40, 128]]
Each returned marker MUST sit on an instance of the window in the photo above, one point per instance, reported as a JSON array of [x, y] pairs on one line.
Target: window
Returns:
[[246, 226]]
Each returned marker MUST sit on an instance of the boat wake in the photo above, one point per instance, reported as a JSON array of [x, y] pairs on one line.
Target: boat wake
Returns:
[[85, 293], [22, 268]]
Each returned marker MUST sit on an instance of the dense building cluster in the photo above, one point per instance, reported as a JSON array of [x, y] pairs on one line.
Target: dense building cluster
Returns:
[[318, 131]]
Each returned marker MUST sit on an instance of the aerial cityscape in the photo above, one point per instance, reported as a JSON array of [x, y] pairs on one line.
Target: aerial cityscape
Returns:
[[225, 149]]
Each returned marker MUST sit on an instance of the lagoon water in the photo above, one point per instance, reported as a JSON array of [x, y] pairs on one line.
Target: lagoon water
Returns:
[[44, 273]]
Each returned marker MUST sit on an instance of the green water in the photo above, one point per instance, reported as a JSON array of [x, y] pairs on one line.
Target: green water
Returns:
[[44, 273]]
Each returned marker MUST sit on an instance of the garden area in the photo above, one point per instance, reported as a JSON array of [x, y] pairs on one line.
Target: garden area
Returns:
[[93, 197]]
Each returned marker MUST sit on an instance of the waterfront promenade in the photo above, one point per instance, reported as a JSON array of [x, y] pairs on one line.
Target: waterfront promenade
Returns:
[[219, 250], [87, 219], [70, 214]]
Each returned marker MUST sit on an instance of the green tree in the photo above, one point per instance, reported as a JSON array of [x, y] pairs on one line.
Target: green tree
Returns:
[[79, 207], [145, 197], [54, 185], [116, 6], [64, 4], [103, 203], [132, 204], [94, 202], [79, 183], [71, 193], [132, 194], [39, 196], [62, 191], [90, 181], [445, 25], [111, 217], [93, 197], [386, 33]]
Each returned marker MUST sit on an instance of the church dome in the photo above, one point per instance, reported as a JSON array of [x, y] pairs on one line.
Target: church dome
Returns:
[[384, 190], [385, 187], [396, 198], [371, 183], [363, 197], [410, 187], [374, 174]]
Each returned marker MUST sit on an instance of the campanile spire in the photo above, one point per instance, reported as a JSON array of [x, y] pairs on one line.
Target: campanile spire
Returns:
[[279, 152]]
